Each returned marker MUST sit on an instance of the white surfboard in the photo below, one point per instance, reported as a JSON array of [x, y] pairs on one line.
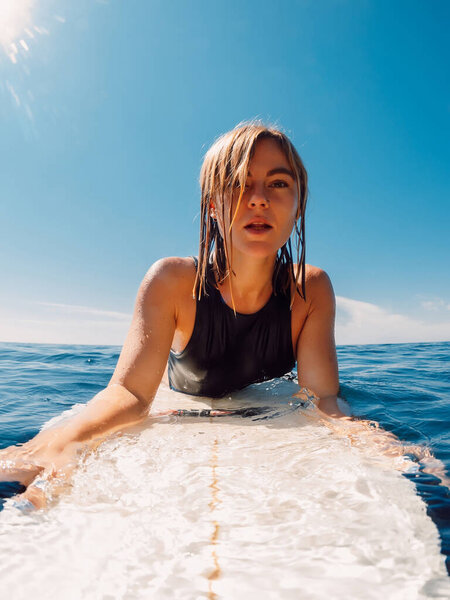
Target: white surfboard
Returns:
[[247, 497]]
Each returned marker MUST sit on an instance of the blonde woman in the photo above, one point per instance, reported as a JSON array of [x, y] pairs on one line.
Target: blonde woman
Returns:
[[244, 311]]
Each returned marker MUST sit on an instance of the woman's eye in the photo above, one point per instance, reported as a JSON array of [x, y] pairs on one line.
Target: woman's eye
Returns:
[[279, 184]]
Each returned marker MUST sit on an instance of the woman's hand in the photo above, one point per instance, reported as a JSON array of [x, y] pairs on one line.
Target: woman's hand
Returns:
[[370, 435], [46, 462], [43, 465]]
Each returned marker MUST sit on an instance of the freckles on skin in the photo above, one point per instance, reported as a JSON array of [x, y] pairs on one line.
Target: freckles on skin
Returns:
[[270, 193], [281, 215]]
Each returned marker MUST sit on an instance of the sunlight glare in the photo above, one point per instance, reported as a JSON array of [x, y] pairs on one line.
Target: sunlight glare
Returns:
[[15, 18]]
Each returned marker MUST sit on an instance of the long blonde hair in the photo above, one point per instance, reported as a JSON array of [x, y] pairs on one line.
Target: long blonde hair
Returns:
[[224, 168]]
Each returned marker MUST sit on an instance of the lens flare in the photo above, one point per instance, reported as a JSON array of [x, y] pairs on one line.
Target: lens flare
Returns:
[[15, 26]]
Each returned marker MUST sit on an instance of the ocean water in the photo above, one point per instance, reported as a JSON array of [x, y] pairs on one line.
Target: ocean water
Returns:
[[261, 504]]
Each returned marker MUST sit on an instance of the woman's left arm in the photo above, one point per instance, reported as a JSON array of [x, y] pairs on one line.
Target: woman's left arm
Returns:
[[316, 349], [318, 372]]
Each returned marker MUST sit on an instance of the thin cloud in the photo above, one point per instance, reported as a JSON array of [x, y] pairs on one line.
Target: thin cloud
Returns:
[[357, 322], [365, 323], [435, 304], [87, 311], [63, 331], [56, 323]]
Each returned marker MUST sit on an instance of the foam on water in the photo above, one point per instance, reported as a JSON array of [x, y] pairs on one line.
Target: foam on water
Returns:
[[229, 507]]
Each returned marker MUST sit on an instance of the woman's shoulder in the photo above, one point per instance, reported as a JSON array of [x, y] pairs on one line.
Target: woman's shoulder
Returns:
[[171, 275], [173, 267], [318, 287], [315, 276]]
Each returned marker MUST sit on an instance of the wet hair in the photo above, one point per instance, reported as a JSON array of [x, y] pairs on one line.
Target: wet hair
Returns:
[[224, 170]]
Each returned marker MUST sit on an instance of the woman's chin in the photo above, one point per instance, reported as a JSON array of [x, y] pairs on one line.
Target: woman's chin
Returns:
[[258, 250]]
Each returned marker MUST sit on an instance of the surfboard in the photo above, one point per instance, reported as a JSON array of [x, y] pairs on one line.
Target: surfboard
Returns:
[[250, 496]]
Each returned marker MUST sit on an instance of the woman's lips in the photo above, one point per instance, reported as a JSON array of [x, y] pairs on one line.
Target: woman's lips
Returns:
[[258, 228]]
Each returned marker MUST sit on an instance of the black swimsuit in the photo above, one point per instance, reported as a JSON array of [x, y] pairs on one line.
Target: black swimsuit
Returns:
[[227, 352]]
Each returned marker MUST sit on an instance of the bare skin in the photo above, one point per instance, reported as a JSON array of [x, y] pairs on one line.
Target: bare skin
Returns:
[[164, 316]]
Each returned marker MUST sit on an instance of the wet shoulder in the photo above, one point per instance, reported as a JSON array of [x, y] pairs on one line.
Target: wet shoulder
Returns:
[[173, 269], [318, 287], [172, 277]]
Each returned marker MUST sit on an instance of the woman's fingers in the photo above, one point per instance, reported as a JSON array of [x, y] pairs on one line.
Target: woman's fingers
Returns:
[[369, 433], [34, 498], [45, 472], [44, 467], [14, 467], [436, 467], [45, 489]]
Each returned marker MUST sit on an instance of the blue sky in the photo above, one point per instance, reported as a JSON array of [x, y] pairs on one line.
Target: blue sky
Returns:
[[107, 107]]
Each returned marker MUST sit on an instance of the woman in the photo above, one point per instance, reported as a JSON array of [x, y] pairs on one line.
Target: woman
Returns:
[[242, 313]]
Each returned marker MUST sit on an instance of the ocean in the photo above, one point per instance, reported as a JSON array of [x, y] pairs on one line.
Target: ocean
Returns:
[[403, 387]]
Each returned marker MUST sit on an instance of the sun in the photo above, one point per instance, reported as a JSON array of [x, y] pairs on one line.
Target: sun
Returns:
[[15, 22]]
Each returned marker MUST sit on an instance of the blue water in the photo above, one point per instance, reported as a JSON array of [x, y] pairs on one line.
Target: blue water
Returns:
[[405, 387]]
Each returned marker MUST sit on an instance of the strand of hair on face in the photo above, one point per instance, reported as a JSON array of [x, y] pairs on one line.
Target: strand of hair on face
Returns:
[[204, 235], [301, 242], [227, 256], [241, 193]]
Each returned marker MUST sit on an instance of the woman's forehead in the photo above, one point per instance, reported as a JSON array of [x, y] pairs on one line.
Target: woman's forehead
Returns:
[[267, 154]]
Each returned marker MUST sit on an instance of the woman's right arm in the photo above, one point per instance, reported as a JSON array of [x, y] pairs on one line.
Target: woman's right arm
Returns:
[[125, 401]]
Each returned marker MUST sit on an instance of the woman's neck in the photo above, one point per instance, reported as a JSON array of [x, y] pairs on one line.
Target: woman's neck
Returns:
[[249, 285]]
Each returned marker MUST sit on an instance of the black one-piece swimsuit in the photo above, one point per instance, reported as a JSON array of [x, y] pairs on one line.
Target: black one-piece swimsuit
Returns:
[[229, 351]]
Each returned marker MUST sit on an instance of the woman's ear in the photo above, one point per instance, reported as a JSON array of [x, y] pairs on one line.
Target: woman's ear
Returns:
[[212, 211]]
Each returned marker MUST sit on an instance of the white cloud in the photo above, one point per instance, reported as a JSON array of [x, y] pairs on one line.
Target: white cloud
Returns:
[[86, 310], [356, 323], [365, 323], [53, 323], [435, 304]]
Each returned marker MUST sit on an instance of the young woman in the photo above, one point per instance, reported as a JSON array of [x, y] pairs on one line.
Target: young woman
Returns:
[[242, 312]]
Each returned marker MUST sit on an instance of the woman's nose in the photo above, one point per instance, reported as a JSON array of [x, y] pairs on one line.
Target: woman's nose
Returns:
[[258, 198]]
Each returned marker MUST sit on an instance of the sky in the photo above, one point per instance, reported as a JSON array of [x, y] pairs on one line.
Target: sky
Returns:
[[108, 107]]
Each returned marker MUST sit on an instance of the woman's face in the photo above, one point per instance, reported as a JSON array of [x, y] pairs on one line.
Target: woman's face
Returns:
[[267, 212]]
